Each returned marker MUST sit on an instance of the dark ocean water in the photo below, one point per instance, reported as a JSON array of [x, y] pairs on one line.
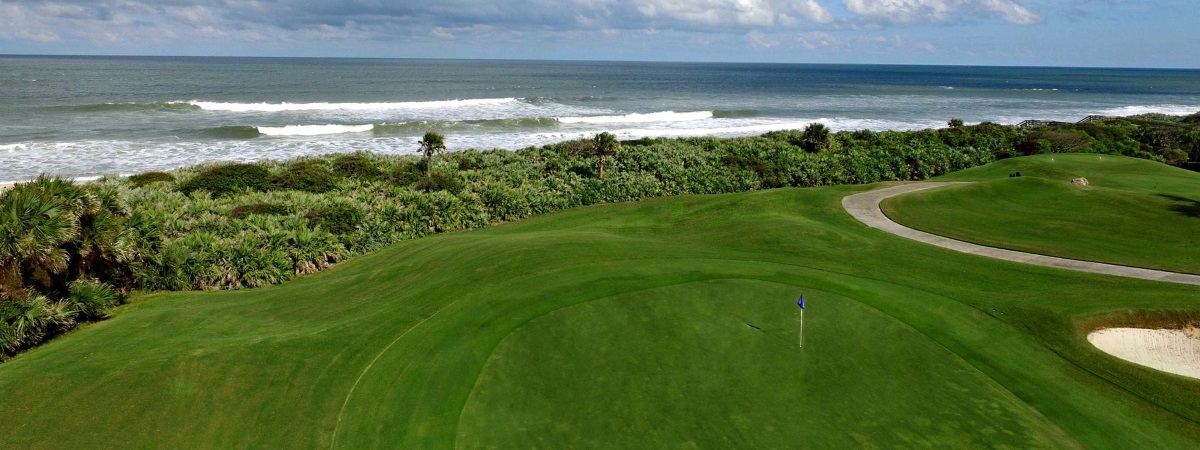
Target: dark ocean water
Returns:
[[89, 116]]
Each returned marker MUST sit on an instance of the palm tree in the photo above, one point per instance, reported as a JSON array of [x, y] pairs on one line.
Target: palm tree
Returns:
[[432, 144], [606, 144], [815, 138]]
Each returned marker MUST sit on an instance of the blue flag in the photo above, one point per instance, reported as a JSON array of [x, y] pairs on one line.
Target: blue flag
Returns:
[[800, 302]]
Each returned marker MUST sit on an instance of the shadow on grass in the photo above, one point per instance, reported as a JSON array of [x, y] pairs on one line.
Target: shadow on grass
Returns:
[[1183, 205]]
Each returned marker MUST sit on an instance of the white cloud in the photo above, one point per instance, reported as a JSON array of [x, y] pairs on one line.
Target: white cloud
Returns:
[[191, 14], [759, 40], [1012, 12], [750, 13], [818, 39], [915, 11]]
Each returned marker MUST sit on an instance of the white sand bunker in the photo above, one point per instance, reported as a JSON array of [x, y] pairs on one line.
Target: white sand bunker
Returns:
[[1174, 351]]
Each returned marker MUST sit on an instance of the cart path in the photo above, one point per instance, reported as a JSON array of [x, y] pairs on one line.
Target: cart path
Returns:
[[865, 207]]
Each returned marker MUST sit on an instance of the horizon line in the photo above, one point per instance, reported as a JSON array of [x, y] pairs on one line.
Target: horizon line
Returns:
[[415, 58]]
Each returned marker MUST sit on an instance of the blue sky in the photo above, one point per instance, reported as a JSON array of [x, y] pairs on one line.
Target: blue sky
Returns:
[[1106, 33]]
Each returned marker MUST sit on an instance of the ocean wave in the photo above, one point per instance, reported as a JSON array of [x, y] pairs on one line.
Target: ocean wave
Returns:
[[1171, 110], [12, 147], [421, 126], [281, 107], [314, 130], [229, 132], [665, 116], [735, 114]]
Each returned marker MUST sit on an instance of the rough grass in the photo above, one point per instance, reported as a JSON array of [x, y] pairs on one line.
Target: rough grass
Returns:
[[623, 326], [1134, 212]]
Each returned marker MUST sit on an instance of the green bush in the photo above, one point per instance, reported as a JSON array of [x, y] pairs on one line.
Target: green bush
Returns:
[[337, 219], [268, 209], [228, 179], [407, 172], [441, 181], [146, 178], [308, 176], [579, 147], [356, 165], [92, 299], [28, 320]]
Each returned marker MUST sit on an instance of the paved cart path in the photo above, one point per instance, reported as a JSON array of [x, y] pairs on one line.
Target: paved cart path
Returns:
[[865, 207]]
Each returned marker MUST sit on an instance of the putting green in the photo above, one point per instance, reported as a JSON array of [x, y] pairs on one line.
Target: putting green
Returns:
[[719, 363]]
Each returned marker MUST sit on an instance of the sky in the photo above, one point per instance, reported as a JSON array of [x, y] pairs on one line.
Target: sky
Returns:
[[1076, 33]]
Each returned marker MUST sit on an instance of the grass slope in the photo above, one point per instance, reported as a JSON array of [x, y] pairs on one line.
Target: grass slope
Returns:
[[1134, 212], [624, 326]]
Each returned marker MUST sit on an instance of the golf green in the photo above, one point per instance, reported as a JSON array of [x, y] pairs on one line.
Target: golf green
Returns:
[[719, 363]]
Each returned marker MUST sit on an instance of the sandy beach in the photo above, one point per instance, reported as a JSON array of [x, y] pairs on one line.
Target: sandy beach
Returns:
[[1174, 351]]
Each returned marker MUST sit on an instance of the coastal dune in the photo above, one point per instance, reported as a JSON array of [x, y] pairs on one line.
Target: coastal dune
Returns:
[[1173, 351]]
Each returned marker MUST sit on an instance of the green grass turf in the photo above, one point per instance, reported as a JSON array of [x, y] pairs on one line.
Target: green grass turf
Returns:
[[1134, 212], [620, 326]]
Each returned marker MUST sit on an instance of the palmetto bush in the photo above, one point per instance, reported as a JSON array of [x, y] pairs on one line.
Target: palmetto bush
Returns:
[[53, 235], [227, 179], [92, 299], [310, 175]]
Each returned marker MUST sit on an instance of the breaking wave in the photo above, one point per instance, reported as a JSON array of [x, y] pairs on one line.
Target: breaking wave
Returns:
[[665, 116], [314, 130], [1171, 110]]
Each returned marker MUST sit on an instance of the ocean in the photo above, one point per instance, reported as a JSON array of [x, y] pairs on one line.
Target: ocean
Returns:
[[84, 117]]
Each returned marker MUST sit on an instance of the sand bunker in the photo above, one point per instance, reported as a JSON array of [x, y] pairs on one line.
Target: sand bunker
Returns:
[[1174, 351]]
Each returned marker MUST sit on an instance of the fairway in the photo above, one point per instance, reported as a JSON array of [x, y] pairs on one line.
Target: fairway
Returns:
[[667, 323]]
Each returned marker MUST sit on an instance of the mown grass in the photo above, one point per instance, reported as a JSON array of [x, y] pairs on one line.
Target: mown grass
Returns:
[[624, 326], [1133, 212]]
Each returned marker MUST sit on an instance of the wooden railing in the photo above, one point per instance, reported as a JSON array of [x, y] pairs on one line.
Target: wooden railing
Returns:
[[1051, 123]]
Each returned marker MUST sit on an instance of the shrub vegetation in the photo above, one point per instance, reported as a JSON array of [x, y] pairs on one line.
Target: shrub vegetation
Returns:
[[227, 179], [145, 178]]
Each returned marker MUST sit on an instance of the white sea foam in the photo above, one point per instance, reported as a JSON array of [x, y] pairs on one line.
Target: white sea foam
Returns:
[[1174, 110], [314, 130], [12, 147], [665, 116], [280, 107]]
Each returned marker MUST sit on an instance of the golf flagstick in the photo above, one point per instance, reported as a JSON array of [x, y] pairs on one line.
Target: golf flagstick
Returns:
[[800, 303]]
